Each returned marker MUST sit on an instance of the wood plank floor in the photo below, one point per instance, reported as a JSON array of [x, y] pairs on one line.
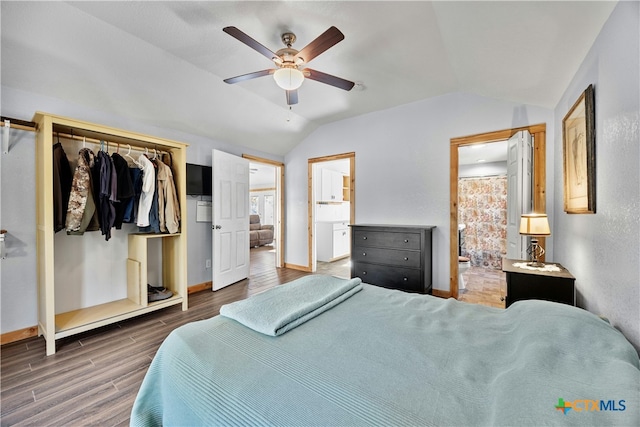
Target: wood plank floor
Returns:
[[94, 377]]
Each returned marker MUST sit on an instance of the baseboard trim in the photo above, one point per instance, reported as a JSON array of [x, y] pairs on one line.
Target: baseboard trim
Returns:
[[18, 335], [440, 294], [298, 267], [199, 287]]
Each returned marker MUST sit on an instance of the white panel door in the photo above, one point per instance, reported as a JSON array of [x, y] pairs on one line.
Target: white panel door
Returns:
[[230, 219], [519, 192]]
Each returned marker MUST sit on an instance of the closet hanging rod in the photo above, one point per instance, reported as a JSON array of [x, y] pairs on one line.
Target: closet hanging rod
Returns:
[[110, 143], [19, 124]]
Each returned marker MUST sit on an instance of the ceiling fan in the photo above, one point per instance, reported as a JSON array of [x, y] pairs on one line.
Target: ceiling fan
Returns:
[[290, 63]]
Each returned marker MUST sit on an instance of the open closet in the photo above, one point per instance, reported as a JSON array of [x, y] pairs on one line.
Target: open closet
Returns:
[[90, 280]]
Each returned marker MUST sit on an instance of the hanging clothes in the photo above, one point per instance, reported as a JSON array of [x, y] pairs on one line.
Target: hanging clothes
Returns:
[[81, 214], [154, 223], [62, 179], [168, 205], [148, 191], [107, 185], [131, 210], [125, 188]]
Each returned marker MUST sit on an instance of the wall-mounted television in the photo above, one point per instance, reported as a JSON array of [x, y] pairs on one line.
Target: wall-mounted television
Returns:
[[198, 180]]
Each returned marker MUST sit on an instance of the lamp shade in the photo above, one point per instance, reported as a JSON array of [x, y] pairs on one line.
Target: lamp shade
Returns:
[[534, 224], [288, 78]]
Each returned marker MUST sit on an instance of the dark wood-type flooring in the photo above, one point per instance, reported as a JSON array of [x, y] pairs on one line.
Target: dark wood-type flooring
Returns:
[[94, 377]]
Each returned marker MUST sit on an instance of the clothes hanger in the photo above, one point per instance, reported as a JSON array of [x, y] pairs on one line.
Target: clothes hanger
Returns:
[[129, 156]]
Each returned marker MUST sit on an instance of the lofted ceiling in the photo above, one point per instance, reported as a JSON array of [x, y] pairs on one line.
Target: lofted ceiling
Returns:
[[162, 63]]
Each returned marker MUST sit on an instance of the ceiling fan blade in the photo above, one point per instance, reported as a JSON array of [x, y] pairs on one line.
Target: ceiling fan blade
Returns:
[[244, 38], [328, 79], [323, 42], [249, 76], [292, 97]]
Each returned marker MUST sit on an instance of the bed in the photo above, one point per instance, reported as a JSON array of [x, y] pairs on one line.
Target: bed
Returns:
[[328, 351]]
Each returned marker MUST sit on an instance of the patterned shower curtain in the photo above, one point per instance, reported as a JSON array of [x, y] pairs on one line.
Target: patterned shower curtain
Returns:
[[482, 207]]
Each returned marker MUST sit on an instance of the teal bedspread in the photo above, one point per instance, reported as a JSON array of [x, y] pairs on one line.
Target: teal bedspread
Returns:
[[389, 358]]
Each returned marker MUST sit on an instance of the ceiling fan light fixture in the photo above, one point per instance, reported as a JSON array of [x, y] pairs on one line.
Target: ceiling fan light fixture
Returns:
[[288, 78]]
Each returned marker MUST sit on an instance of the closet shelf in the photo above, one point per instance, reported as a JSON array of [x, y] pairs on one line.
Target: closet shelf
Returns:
[[88, 318], [154, 235]]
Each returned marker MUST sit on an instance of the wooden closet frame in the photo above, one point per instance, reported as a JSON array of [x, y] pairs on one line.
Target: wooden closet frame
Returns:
[[54, 325]]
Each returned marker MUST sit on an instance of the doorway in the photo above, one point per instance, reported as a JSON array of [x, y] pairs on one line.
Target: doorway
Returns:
[[266, 179], [538, 189], [482, 204], [331, 195]]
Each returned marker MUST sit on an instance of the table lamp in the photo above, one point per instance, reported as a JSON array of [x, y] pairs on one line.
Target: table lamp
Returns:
[[534, 225]]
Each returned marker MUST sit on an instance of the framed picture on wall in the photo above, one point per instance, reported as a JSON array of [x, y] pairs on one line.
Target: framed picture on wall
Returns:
[[579, 151]]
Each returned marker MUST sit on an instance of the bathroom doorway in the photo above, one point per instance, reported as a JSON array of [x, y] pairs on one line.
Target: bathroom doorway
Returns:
[[538, 177], [482, 203]]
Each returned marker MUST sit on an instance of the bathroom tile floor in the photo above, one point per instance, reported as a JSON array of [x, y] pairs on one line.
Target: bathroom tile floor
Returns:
[[484, 286]]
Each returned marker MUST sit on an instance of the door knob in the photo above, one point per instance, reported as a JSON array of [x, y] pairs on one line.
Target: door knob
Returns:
[[217, 227]]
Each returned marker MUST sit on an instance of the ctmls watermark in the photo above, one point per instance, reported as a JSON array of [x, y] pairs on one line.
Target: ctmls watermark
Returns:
[[580, 405]]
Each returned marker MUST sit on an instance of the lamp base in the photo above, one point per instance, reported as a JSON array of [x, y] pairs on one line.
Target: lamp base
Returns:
[[536, 252], [536, 264]]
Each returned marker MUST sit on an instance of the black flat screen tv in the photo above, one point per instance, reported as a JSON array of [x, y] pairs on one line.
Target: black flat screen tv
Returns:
[[198, 180]]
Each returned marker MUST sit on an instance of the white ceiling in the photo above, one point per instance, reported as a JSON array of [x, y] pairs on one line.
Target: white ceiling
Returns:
[[262, 175], [162, 63], [483, 153]]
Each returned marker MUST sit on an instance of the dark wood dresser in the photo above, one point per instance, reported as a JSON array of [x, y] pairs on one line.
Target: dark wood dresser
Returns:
[[522, 284], [392, 256]]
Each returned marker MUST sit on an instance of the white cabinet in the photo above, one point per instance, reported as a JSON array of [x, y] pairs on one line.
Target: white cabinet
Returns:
[[333, 240], [331, 186]]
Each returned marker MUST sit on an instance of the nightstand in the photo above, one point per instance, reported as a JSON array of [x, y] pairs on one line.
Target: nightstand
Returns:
[[522, 284]]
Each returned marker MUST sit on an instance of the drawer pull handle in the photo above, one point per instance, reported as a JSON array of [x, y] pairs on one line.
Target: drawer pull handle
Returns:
[[406, 259], [364, 254], [406, 240], [364, 238], [364, 273], [405, 279]]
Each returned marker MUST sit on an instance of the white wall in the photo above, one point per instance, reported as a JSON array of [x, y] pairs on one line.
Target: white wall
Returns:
[[603, 250], [18, 290], [402, 165]]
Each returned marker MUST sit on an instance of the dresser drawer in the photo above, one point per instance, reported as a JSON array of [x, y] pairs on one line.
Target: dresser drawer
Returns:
[[406, 279], [386, 239], [386, 256]]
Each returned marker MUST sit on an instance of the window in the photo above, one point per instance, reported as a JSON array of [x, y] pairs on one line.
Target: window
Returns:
[[254, 205]]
